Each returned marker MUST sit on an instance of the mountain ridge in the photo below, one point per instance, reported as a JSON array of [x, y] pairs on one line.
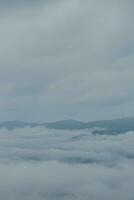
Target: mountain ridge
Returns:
[[113, 126]]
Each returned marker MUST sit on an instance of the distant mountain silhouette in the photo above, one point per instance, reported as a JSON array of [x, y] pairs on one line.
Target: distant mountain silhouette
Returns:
[[10, 125], [65, 124], [114, 126]]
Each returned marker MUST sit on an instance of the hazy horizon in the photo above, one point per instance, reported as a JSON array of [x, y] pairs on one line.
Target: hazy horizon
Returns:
[[67, 119]]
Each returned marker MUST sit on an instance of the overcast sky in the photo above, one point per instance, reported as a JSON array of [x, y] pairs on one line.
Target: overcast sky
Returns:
[[63, 59]]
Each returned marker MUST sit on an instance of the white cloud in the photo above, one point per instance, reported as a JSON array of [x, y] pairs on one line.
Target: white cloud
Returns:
[[36, 163]]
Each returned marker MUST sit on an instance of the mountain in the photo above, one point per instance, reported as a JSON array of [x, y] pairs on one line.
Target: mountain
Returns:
[[65, 125], [114, 126], [11, 125]]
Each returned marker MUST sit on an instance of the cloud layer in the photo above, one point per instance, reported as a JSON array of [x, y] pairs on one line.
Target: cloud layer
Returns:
[[36, 163], [66, 59]]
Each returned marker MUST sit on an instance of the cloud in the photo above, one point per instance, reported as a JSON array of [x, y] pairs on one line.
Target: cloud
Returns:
[[66, 59], [36, 163]]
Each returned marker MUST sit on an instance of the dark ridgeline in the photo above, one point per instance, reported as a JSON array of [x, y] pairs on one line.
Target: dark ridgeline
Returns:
[[114, 126]]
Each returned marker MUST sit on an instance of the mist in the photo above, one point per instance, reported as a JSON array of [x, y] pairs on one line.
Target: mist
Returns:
[[37, 163]]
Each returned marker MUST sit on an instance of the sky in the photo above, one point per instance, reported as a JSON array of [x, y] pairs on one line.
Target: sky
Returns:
[[66, 59]]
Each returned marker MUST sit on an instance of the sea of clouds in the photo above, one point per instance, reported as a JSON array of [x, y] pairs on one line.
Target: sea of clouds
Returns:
[[42, 164]]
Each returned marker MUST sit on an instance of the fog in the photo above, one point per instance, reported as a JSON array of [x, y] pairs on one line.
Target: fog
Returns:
[[38, 164]]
